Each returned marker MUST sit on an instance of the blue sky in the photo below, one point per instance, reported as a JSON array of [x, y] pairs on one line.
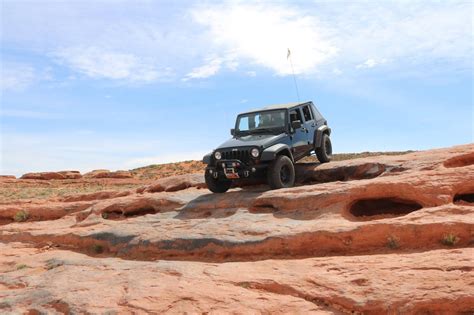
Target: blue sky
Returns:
[[123, 84]]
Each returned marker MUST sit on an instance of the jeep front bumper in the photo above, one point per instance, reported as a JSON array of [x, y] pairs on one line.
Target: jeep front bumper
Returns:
[[235, 169]]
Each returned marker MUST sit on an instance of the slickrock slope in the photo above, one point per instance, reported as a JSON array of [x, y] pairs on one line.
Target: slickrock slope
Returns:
[[378, 235]]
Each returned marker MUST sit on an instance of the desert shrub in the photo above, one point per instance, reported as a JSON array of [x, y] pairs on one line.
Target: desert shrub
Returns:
[[450, 239], [393, 242], [97, 248], [21, 216], [22, 266], [245, 284]]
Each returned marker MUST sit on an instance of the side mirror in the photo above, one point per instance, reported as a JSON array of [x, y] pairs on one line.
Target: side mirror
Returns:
[[296, 124], [232, 131]]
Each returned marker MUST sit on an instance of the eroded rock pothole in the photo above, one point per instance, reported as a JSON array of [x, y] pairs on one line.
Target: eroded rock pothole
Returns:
[[120, 214], [464, 199], [307, 174], [380, 208], [460, 160]]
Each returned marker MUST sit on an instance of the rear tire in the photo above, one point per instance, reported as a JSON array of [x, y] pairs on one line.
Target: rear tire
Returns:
[[281, 173], [216, 185], [324, 152]]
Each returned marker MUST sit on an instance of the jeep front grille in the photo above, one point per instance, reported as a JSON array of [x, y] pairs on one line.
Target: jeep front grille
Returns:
[[240, 154]]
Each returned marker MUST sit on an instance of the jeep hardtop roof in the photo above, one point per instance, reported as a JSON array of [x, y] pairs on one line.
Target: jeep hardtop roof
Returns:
[[277, 106]]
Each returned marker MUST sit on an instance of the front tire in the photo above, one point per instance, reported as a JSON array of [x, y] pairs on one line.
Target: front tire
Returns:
[[324, 152], [216, 185], [281, 173]]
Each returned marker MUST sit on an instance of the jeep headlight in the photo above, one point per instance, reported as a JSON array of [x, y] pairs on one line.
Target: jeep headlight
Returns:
[[255, 152], [217, 155]]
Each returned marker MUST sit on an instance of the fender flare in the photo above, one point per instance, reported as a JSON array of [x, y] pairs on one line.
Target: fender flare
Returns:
[[270, 153], [319, 134], [207, 158]]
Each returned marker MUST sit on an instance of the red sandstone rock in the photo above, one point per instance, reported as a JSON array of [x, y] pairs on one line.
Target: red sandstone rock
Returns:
[[175, 183], [45, 280], [97, 174], [71, 174], [96, 196], [108, 174], [52, 175], [43, 176], [7, 177], [379, 235]]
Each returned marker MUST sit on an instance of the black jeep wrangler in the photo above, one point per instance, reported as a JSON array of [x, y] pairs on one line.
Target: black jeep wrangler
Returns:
[[267, 142]]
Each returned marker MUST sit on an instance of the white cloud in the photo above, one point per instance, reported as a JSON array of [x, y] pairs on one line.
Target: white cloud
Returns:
[[212, 67], [99, 63], [251, 73], [370, 63], [16, 76], [262, 33], [323, 37], [205, 71], [337, 71], [154, 42]]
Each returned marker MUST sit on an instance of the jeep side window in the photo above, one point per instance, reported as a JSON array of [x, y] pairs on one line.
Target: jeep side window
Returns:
[[307, 113], [295, 115], [317, 114]]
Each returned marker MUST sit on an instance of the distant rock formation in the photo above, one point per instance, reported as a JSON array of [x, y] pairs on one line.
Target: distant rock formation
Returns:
[[108, 174], [52, 175]]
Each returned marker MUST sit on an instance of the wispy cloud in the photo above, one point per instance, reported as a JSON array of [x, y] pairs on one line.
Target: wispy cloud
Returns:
[[405, 33], [212, 66], [16, 76], [370, 63], [99, 63], [205, 71]]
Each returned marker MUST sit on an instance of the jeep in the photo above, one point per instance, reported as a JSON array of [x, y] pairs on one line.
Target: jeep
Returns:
[[267, 142]]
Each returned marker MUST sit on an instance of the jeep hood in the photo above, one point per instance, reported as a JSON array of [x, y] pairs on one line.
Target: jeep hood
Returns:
[[258, 140]]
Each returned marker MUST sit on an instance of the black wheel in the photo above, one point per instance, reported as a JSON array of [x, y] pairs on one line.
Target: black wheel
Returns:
[[281, 173], [216, 185], [324, 152]]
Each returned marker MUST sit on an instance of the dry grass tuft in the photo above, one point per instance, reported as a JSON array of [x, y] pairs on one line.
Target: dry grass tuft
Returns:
[[449, 239], [21, 216]]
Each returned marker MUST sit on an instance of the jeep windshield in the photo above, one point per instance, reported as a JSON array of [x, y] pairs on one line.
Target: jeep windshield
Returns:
[[269, 122]]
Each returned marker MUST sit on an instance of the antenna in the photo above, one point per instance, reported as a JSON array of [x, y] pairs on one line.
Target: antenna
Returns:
[[288, 57]]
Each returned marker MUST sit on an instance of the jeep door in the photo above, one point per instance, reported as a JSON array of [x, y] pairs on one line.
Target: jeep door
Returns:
[[309, 124], [299, 135]]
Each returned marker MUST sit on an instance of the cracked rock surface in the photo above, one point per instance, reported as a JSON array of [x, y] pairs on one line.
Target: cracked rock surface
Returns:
[[378, 235]]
